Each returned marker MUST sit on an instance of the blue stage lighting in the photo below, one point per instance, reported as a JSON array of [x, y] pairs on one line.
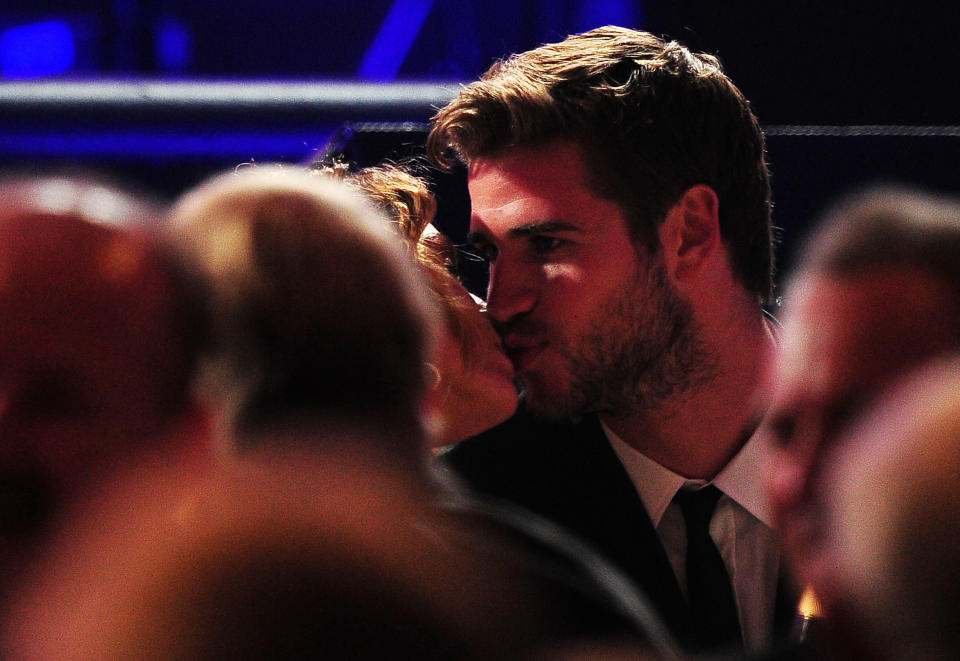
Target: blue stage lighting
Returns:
[[594, 13], [165, 144], [392, 43], [37, 50], [174, 45]]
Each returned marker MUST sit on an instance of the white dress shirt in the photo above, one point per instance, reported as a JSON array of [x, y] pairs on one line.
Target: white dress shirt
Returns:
[[740, 528]]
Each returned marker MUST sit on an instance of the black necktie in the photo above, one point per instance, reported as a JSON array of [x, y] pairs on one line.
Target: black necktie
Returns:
[[713, 610]]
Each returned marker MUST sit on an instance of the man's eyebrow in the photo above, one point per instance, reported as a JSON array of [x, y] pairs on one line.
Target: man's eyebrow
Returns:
[[544, 227], [530, 229]]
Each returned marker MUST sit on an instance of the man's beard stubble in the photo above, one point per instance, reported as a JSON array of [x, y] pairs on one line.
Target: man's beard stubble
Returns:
[[641, 349]]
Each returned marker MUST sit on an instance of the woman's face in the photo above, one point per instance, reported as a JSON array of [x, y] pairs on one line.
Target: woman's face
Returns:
[[476, 390]]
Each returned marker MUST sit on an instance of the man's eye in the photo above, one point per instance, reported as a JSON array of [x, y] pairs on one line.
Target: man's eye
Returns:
[[486, 251], [544, 245]]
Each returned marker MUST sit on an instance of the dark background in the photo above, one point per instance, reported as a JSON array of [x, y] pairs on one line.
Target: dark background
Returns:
[[849, 93]]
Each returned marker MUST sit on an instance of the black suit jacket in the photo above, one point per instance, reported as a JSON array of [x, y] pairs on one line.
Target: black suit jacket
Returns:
[[568, 473]]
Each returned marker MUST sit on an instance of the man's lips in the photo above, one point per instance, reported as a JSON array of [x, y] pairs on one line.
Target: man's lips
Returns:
[[522, 351]]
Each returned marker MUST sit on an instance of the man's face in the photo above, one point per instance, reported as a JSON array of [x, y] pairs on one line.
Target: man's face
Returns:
[[844, 340], [588, 319]]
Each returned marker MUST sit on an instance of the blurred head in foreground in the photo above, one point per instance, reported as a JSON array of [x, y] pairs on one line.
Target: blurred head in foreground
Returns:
[[281, 560], [889, 568], [473, 380], [97, 342], [318, 317], [877, 292]]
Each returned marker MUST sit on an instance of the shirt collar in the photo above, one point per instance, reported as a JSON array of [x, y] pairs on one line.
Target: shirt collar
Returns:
[[741, 479]]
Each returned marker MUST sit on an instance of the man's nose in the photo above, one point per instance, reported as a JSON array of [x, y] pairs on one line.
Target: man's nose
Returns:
[[511, 292]]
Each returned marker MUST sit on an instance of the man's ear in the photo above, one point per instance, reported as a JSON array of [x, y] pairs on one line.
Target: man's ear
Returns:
[[690, 234]]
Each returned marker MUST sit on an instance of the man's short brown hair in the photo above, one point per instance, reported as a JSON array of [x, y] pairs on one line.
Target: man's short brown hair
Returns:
[[652, 118]]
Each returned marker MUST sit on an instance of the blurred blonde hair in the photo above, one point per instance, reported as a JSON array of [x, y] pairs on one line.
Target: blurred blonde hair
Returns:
[[314, 306], [406, 199]]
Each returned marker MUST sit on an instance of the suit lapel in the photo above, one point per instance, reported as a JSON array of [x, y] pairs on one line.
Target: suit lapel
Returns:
[[603, 507], [568, 473]]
